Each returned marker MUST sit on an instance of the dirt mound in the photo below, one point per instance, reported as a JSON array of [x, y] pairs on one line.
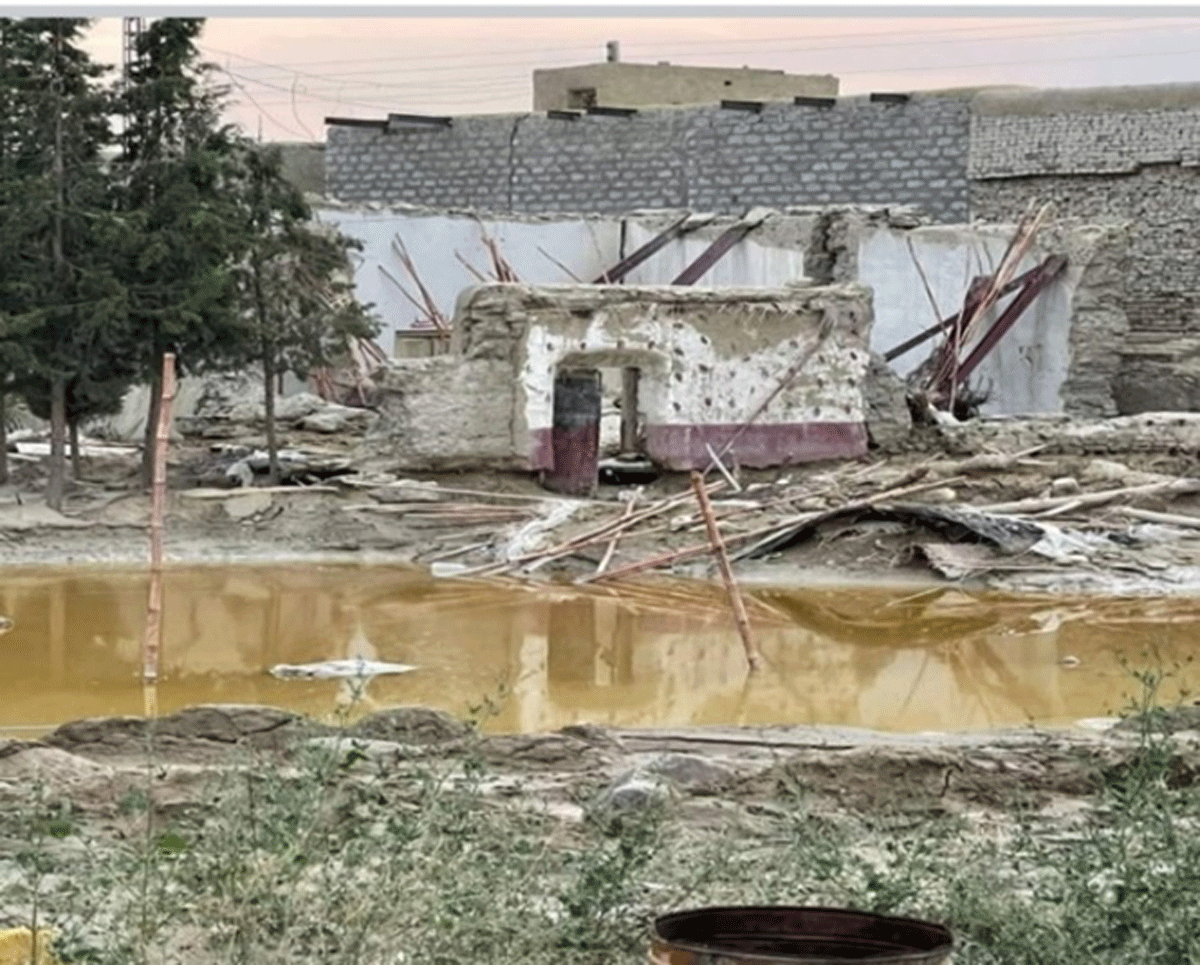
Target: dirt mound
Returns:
[[212, 724]]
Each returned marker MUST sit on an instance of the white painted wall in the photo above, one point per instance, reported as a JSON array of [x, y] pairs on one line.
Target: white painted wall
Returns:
[[693, 383], [748, 265], [1026, 370], [585, 247]]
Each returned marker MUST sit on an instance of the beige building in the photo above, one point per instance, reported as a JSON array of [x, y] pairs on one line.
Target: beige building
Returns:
[[616, 84]]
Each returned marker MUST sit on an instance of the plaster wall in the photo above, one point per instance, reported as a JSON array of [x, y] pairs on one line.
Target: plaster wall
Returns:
[[1026, 370], [585, 247], [708, 360]]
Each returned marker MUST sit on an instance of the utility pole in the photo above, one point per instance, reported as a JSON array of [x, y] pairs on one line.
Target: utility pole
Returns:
[[131, 34], [58, 382]]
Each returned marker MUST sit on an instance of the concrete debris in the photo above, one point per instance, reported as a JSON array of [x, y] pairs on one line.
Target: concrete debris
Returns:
[[226, 406], [1151, 432], [247, 506], [295, 465], [889, 421], [339, 669]]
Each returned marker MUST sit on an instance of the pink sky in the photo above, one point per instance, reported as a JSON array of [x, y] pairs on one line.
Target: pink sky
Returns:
[[293, 72]]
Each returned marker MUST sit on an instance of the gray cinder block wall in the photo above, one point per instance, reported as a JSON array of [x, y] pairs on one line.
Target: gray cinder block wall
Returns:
[[704, 158], [1126, 156], [1129, 155]]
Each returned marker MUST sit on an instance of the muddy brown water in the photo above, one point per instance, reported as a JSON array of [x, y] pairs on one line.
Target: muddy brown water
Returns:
[[525, 659]]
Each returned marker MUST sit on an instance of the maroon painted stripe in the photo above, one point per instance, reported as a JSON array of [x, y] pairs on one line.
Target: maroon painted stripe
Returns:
[[682, 447]]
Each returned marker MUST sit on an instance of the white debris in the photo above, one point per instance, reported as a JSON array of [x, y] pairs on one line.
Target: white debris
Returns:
[[338, 669]]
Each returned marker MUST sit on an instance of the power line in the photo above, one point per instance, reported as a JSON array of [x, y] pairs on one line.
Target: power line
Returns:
[[521, 53], [1017, 63], [467, 84]]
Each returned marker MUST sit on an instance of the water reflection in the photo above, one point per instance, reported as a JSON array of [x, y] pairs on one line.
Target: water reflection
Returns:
[[663, 653]]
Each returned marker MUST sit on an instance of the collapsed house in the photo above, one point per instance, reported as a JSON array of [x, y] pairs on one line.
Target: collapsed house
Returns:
[[1050, 343], [521, 386]]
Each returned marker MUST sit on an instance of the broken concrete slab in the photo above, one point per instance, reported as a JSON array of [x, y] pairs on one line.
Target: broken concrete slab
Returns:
[[246, 506]]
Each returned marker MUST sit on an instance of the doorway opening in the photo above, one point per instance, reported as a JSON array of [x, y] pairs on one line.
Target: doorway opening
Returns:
[[597, 431]]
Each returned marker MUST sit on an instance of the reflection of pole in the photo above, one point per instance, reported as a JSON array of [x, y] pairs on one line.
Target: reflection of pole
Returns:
[[58, 632], [753, 657], [152, 641]]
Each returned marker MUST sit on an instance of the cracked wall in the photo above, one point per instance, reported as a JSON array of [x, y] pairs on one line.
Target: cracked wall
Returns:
[[708, 359]]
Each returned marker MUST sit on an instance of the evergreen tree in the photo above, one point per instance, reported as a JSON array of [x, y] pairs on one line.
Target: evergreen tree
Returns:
[[177, 166], [295, 282], [60, 304]]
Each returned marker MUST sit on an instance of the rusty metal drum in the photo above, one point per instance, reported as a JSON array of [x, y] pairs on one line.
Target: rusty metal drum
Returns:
[[785, 935]]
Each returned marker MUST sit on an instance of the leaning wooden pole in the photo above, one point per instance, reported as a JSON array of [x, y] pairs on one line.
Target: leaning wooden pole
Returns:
[[753, 657], [152, 641]]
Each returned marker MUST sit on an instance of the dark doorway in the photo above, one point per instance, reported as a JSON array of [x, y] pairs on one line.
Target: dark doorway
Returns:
[[575, 433]]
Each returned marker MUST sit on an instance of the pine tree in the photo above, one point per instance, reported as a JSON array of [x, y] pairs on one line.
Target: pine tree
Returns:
[[178, 163], [295, 282], [61, 306]]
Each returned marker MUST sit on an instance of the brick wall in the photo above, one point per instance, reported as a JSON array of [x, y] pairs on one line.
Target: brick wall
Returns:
[[1099, 158], [704, 158]]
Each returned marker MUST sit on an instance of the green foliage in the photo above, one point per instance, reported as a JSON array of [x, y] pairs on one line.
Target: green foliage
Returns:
[[295, 276], [185, 232]]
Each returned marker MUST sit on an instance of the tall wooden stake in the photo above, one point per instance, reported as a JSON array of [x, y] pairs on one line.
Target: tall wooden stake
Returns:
[[753, 657], [152, 642]]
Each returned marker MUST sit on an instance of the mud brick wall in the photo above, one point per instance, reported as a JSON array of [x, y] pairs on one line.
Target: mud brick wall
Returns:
[[1126, 155], [704, 158]]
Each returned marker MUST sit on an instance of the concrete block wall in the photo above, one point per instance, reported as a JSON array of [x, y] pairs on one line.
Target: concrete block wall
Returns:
[[703, 158], [1128, 156]]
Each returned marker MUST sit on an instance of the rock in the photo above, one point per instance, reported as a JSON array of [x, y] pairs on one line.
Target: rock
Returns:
[[209, 723], [542, 751], [889, 421], [227, 723], [354, 750], [1170, 719], [250, 504], [411, 725], [298, 406], [338, 418], [1064, 486], [241, 473], [634, 793], [690, 773], [56, 769]]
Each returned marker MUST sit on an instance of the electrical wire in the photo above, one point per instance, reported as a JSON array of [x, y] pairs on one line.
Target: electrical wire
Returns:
[[522, 53], [470, 84]]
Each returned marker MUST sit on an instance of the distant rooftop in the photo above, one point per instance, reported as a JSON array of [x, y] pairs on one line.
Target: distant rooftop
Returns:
[[615, 83]]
